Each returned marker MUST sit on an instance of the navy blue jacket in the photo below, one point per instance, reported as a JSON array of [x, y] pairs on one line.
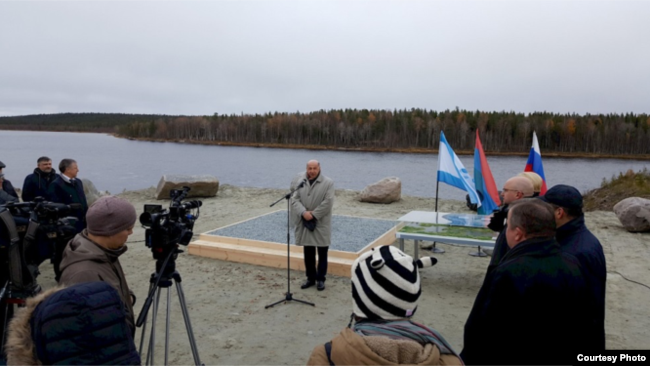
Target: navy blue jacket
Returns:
[[530, 309], [84, 324], [36, 184], [61, 191], [576, 239]]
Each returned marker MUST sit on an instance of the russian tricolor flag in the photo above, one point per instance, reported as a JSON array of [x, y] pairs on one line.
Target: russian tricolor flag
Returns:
[[534, 163], [484, 181]]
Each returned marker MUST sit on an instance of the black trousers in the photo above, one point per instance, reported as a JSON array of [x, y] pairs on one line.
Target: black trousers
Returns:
[[310, 263]]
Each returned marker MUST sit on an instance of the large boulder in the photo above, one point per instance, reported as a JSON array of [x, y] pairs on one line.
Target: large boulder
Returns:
[[634, 214], [200, 185], [91, 192], [387, 190]]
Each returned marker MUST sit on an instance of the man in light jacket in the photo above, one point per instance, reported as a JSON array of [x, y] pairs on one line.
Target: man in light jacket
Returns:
[[312, 206]]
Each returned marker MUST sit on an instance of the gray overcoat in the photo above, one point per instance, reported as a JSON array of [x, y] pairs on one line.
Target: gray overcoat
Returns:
[[318, 198]]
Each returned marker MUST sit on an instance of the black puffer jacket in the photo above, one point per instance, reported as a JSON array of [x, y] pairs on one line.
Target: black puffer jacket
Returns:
[[84, 324]]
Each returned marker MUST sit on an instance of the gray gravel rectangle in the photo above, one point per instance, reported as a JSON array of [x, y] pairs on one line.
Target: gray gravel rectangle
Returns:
[[349, 234]]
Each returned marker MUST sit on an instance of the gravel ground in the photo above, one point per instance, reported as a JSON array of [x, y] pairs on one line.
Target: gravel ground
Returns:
[[351, 235]]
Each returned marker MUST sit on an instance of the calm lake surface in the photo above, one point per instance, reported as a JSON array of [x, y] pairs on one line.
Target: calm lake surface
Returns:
[[115, 164]]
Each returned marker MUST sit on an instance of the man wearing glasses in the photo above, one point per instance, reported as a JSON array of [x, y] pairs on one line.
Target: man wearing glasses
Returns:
[[516, 188]]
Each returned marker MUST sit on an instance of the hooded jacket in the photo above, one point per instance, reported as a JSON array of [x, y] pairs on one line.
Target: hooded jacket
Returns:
[[85, 261], [83, 324], [36, 184], [350, 348]]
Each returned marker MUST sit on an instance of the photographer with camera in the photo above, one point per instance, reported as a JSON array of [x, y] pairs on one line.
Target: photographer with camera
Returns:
[[93, 254], [5, 196]]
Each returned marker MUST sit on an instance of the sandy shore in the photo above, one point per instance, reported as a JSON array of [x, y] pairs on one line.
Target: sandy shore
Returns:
[[226, 300]]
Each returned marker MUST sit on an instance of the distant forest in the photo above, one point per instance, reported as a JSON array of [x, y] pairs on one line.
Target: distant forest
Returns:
[[386, 130]]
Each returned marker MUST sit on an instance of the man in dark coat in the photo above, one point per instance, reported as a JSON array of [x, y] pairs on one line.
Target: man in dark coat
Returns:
[[531, 306], [577, 240], [5, 197], [6, 185], [514, 189], [36, 184], [67, 189]]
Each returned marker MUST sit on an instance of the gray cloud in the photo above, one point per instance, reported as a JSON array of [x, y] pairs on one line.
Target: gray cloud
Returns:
[[257, 56]]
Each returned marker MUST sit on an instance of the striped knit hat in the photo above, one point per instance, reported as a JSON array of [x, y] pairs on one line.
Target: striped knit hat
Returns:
[[386, 283]]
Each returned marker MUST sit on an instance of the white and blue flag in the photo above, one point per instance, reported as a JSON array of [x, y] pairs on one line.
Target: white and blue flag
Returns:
[[452, 171]]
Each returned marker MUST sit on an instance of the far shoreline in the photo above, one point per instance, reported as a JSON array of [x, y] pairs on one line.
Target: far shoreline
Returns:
[[388, 150], [580, 155]]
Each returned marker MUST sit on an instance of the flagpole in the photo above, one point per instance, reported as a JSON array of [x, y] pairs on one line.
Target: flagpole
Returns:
[[437, 184]]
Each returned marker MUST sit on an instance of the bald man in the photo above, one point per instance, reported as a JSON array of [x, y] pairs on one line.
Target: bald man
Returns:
[[312, 206], [516, 188]]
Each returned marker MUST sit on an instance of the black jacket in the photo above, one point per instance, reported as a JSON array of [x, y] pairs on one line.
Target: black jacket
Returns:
[[83, 324], [9, 188], [576, 239], [497, 223], [36, 184], [61, 191], [530, 309]]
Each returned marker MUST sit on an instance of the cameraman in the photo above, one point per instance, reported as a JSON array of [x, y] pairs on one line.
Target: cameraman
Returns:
[[6, 187], [5, 196], [93, 254]]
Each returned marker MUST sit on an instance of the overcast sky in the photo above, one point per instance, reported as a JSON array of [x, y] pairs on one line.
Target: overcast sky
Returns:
[[206, 57]]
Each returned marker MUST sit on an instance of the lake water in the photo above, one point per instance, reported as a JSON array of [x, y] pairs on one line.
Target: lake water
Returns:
[[115, 164]]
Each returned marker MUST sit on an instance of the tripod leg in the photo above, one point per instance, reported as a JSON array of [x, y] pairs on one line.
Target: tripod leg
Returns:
[[188, 325], [169, 301], [152, 338], [144, 325]]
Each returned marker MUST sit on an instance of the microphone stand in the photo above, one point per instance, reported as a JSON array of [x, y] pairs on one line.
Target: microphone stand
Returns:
[[288, 296]]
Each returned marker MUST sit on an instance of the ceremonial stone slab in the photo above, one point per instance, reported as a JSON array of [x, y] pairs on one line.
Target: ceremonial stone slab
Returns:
[[349, 234]]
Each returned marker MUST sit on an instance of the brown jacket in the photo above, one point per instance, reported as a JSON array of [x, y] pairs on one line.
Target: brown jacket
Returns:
[[349, 348], [85, 261]]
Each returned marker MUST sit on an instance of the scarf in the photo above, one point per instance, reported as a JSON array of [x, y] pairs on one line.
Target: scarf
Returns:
[[404, 330]]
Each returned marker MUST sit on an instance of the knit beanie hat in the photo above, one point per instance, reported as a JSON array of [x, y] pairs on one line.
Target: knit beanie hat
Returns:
[[109, 215], [386, 283]]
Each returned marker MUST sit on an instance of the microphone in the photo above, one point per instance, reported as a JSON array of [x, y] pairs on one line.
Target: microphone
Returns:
[[302, 184]]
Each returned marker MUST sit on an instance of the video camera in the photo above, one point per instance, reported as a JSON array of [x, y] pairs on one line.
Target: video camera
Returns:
[[31, 232], [167, 228]]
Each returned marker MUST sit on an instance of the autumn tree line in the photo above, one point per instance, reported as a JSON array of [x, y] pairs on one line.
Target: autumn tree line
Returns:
[[504, 132]]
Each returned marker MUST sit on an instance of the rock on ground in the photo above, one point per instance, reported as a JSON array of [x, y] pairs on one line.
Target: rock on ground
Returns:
[[634, 214], [200, 185], [387, 190]]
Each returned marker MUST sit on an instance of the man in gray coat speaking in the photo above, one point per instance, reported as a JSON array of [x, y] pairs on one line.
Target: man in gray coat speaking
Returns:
[[312, 206]]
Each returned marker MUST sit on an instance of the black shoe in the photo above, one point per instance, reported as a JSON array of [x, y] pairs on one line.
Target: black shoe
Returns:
[[320, 285], [307, 284]]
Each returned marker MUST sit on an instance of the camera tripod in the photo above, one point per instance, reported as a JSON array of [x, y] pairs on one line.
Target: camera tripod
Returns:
[[158, 281]]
